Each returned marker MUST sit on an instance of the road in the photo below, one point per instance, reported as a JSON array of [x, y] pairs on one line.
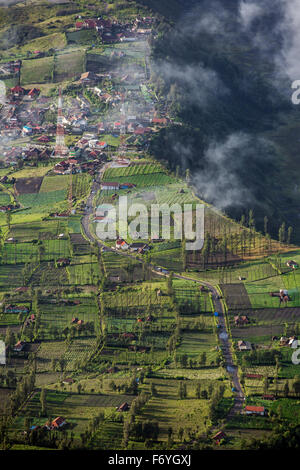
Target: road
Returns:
[[218, 305]]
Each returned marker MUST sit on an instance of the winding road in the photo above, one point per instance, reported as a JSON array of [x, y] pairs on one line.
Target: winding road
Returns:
[[218, 305]]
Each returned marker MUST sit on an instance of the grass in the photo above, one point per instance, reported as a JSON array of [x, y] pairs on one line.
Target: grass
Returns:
[[42, 202], [37, 70], [55, 183], [39, 230], [144, 169], [43, 43], [69, 64], [148, 180], [194, 343], [84, 274], [82, 37], [169, 411], [32, 172]]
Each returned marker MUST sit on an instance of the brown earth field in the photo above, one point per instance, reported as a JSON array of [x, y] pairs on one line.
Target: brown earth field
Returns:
[[236, 296], [28, 185], [250, 331], [271, 315], [267, 321]]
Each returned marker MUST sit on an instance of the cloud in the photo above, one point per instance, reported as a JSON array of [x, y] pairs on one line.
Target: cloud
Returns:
[[218, 182], [248, 12], [200, 83]]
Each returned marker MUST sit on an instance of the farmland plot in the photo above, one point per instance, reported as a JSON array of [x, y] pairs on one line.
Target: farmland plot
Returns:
[[44, 230], [48, 351], [69, 65], [80, 245], [43, 202], [84, 273], [79, 350], [190, 299], [169, 411], [11, 275], [145, 169], [37, 71], [47, 274], [236, 296], [17, 253], [147, 180], [54, 249], [28, 185], [59, 316], [55, 183]]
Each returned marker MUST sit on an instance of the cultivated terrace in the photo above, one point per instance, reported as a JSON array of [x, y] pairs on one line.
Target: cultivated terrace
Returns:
[[126, 343]]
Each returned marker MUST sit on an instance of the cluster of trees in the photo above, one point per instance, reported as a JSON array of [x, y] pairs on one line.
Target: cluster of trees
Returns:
[[185, 362], [261, 357]]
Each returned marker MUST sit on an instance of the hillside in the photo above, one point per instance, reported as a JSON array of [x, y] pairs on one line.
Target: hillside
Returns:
[[238, 125]]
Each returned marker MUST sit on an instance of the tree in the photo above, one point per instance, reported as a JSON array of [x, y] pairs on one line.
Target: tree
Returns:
[[296, 385], [187, 175], [8, 219], [153, 390], [170, 284], [251, 221], [289, 235], [286, 389], [43, 401], [266, 220], [281, 233], [202, 359]]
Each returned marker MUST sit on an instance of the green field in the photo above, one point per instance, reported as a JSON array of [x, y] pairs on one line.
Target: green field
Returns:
[[37, 71], [69, 64]]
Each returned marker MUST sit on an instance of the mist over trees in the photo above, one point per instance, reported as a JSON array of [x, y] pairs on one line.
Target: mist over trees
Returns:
[[224, 82]]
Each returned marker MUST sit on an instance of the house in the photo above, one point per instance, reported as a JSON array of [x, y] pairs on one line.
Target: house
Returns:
[[16, 309], [241, 320], [127, 185], [255, 410], [139, 246], [19, 346], [21, 289], [110, 186], [33, 93], [68, 381], [284, 341], [27, 130], [128, 336], [269, 397], [88, 77], [18, 91], [254, 376], [112, 370], [96, 144], [62, 262], [244, 346], [58, 423], [293, 342], [218, 437], [123, 407], [292, 264], [122, 244], [159, 121]]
